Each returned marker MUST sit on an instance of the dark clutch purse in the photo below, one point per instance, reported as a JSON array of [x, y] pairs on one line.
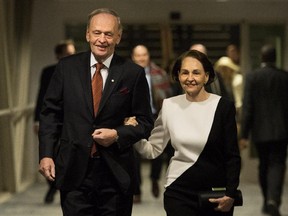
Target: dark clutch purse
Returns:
[[204, 197]]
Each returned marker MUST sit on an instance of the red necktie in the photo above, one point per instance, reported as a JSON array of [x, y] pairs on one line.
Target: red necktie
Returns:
[[97, 86]]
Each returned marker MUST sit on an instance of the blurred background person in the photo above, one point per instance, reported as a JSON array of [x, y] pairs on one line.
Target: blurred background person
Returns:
[[199, 47], [232, 51], [232, 80], [265, 117], [160, 89], [216, 87], [62, 49]]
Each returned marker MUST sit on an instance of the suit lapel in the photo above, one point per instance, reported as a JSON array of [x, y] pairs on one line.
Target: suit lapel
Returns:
[[85, 78], [114, 76]]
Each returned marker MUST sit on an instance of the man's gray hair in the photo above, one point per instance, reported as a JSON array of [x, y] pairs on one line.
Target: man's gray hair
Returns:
[[107, 11]]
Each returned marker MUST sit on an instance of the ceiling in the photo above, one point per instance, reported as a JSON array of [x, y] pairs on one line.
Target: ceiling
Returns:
[[230, 1]]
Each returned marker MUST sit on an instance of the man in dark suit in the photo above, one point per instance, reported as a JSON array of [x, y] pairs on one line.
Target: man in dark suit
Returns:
[[62, 49], [265, 115], [100, 183]]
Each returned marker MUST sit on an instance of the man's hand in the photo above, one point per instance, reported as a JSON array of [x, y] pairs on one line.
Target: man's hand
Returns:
[[105, 136], [47, 168], [224, 203]]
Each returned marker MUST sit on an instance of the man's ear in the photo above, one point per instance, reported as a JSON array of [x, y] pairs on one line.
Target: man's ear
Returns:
[[119, 37], [87, 35]]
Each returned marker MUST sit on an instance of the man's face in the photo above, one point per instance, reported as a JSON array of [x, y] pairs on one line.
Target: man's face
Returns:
[[70, 50], [233, 53], [141, 56], [103, 35]]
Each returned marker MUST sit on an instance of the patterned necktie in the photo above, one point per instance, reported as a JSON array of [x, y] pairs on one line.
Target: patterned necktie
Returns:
[[97, 86]]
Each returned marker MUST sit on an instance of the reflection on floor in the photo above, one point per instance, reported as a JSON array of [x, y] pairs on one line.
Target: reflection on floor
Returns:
[[30, 202]]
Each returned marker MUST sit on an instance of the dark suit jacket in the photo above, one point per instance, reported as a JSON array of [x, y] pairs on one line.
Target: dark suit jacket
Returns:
[[46, 75], [68, 113], [265, 105]]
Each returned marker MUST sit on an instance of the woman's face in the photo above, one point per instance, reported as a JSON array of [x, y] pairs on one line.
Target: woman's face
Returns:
[[192, 76]]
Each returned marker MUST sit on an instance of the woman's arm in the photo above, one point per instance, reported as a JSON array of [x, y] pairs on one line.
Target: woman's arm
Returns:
[[157, 141]]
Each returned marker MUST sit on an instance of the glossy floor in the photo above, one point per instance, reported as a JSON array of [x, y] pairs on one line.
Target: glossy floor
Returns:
[[30, 202]]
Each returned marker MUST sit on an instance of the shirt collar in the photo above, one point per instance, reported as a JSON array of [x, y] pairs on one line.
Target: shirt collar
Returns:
[[106, 63], [147, 70]]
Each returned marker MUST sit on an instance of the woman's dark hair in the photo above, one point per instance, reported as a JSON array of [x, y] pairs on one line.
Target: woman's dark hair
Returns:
[[201, 57]]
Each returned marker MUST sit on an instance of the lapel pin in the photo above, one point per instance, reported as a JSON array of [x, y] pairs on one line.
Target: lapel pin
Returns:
[[112, 80]]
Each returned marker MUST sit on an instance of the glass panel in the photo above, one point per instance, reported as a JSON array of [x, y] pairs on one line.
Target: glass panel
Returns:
[[5, 153], [3, 91], [30, 152]]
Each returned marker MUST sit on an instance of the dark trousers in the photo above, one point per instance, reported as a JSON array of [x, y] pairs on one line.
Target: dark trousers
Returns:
[[49, 196], [137, 189], [272, 166], [98, 195]]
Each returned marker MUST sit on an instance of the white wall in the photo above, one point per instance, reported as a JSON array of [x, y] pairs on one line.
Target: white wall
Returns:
[[49, 18]]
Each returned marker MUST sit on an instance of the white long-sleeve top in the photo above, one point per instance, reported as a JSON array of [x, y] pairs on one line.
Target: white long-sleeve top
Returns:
[[188, 125]]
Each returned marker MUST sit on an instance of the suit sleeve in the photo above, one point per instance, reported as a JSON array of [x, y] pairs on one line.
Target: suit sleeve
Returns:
[[232, 155], [51, 116], [140, 107], [247, 108], [44, 82]]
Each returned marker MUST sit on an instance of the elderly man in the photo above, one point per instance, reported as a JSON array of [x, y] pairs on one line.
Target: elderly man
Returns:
[[89, 96]]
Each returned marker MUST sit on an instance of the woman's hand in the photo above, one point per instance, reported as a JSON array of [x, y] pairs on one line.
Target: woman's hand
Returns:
[[131, 121], [224, 203]]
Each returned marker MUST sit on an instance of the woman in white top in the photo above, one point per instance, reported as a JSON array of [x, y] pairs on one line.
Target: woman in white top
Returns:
[[203, 132]]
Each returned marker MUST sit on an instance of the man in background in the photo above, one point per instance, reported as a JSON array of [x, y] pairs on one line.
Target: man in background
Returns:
[[62, 49], [265, 117], [199, 47], [160, 88]]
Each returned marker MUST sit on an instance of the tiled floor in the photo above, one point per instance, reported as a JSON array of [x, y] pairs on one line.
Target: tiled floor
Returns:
[[30, 202]]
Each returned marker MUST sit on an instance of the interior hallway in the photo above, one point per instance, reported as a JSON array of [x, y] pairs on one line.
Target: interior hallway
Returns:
[[30, 202]]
